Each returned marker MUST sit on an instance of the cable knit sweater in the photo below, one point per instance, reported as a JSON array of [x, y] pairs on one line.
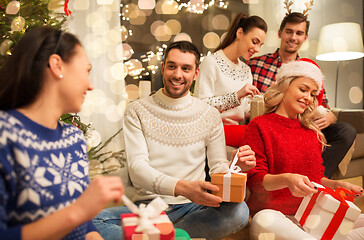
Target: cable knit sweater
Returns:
[[42, 170], [281, 145], [218, 82], [167, 139]]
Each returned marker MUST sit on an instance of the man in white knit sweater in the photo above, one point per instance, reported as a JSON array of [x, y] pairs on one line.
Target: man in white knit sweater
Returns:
[[168, 136]]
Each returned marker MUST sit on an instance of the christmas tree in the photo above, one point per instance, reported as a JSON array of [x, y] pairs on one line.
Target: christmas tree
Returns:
[[17, 17]]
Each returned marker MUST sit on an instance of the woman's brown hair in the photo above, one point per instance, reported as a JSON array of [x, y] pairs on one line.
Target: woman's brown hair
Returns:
[[246, 23]]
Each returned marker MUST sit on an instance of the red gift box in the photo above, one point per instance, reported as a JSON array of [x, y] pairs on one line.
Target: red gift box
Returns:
[[163, 228]]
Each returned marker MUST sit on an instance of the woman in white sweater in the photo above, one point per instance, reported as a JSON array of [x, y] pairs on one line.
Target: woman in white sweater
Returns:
[[225, 81]]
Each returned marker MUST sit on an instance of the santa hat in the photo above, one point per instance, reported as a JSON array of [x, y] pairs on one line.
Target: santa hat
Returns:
[[302, 68]]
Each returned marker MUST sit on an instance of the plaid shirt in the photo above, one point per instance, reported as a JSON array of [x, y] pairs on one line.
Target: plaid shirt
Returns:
[[264, 70]]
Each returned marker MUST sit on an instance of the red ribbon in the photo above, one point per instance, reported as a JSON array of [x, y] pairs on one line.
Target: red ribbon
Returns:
[[67, 11], [341, 194]]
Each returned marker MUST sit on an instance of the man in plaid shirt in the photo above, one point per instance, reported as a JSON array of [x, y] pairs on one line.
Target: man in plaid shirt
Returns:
[[293, 32]]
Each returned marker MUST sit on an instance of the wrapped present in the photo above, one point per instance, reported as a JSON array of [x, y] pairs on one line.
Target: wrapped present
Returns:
[[256, 106], [328, 214], [147, 221], [232, 185]]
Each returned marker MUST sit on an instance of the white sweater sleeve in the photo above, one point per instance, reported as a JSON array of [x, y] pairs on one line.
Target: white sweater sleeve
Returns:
[[141, 173], [216, 150], [206, 84]]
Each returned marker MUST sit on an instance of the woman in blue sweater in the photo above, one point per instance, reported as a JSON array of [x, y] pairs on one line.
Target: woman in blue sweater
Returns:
[[44, 183]]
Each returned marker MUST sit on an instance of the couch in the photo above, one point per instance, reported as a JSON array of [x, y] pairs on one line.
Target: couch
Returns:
[[353, 163]]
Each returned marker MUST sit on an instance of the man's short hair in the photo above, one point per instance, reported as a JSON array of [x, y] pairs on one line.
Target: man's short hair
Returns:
[[184, 46], [295, 17]]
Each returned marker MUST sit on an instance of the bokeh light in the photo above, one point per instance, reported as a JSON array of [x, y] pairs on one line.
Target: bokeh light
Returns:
[[100, 27], [135, 67], [182, 37], [355, 95], [127, 51], [12, 7], [140, 19], [80, 4], [211, 40], [112, 37], [104, 2], [117, 87], [155, 25], [146, 4], [220, 22], [92, 17], [174, 25], [105, 11], [117, 70], [5, 46], [17, 24], [124, 33], [166, 7], [132, 92], [112, 114]]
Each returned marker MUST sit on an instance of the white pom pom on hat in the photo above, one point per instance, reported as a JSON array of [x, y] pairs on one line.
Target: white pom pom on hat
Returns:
[[302, 68]]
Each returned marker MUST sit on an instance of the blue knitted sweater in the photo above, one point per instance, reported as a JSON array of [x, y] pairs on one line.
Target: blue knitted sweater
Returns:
[[42, 170]]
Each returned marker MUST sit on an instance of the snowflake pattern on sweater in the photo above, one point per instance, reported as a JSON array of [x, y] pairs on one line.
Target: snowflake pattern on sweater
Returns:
[[42, 171]]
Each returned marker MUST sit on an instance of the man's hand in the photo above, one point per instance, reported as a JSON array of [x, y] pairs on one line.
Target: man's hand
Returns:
[[196, 191], [246, 156], [325, 121]]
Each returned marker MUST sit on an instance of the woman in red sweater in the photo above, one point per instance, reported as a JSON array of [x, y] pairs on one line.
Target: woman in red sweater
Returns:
[[288, 149]]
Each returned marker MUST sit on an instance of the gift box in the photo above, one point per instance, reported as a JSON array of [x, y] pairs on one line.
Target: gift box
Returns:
[[256, 106], [147, 222], [328, 214], [163, 228], [231, 186]]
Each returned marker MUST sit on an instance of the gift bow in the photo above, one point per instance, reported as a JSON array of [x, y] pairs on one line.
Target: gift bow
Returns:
[[67, 11], [146, 212], [227, 178], [233, 168]]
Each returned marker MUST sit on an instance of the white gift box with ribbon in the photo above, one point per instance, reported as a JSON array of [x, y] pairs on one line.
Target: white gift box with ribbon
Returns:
[[328, 214]]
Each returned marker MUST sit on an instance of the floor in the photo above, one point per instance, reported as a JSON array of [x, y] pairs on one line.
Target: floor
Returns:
[[244, 233]]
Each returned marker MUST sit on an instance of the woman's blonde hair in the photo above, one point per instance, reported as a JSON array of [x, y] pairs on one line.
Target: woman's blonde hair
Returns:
[[273, 97]]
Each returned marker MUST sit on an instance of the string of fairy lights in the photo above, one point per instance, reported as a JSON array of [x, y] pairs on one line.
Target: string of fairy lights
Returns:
[[135, 14]]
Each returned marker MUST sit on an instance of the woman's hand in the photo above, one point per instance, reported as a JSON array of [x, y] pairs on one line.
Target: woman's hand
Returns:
[[246, 157], [300, 185], [248, 89], [98, 194], [335, 184]]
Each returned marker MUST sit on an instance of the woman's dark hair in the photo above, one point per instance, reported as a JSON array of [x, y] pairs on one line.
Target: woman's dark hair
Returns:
[[21, 77], [246, 23]]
